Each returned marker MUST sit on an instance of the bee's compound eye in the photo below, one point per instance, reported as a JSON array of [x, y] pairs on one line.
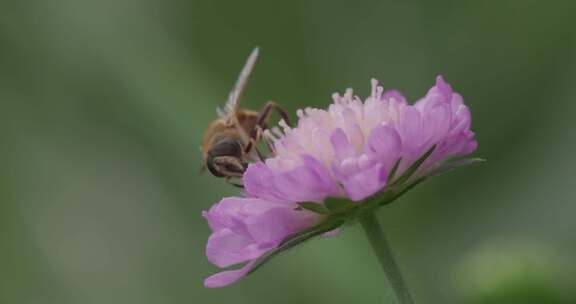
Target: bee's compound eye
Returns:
[[225, 158], [226, 147]]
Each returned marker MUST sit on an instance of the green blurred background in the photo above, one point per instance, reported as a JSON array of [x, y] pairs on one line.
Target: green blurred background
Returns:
[[103, 105]]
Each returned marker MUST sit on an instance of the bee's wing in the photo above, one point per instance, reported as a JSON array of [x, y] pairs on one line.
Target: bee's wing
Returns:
[[233, 102]]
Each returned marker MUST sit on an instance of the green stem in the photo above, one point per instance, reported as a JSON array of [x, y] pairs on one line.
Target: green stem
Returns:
[[385, 257]]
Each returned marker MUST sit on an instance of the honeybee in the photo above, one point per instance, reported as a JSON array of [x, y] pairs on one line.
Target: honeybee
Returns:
[[230, 140]]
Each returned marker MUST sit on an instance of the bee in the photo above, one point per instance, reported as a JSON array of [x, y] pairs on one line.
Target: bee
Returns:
[[230, 141]]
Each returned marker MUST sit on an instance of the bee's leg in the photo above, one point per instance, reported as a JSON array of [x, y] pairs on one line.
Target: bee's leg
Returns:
[[268, 139], [259, 136], [235, 184], [252, 145], [257, 132], [260, 156], [265, 114]]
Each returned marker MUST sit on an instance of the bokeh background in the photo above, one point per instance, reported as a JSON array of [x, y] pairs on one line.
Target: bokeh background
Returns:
[[103, 105]]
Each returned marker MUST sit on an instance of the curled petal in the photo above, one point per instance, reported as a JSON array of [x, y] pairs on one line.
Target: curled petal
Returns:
[[228, 277]]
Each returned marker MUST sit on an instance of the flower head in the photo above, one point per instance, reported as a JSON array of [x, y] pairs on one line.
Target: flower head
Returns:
[[348, 151]]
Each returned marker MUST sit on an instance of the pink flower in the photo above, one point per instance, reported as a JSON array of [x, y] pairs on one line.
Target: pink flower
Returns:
[[349, 149], [346, 151]]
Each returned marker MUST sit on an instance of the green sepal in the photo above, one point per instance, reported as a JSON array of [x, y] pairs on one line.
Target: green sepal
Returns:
[[454, 164], [392, 173], [314, 207], [396, 190], [414, 167], [339, 205]]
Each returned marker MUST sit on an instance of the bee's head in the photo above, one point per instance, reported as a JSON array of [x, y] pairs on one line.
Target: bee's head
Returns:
[[226, 158]]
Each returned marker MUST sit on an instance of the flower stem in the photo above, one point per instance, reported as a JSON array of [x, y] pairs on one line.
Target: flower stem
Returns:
[[385, 257]]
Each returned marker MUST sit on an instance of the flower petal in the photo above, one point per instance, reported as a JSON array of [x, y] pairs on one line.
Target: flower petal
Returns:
[[341, 145], [311, 180], [226, 248], [365, 183], [385, 145], [228, 277]]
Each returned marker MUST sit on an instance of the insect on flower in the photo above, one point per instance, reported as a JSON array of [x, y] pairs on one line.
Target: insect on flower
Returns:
[[230, 140], [336, 166]]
